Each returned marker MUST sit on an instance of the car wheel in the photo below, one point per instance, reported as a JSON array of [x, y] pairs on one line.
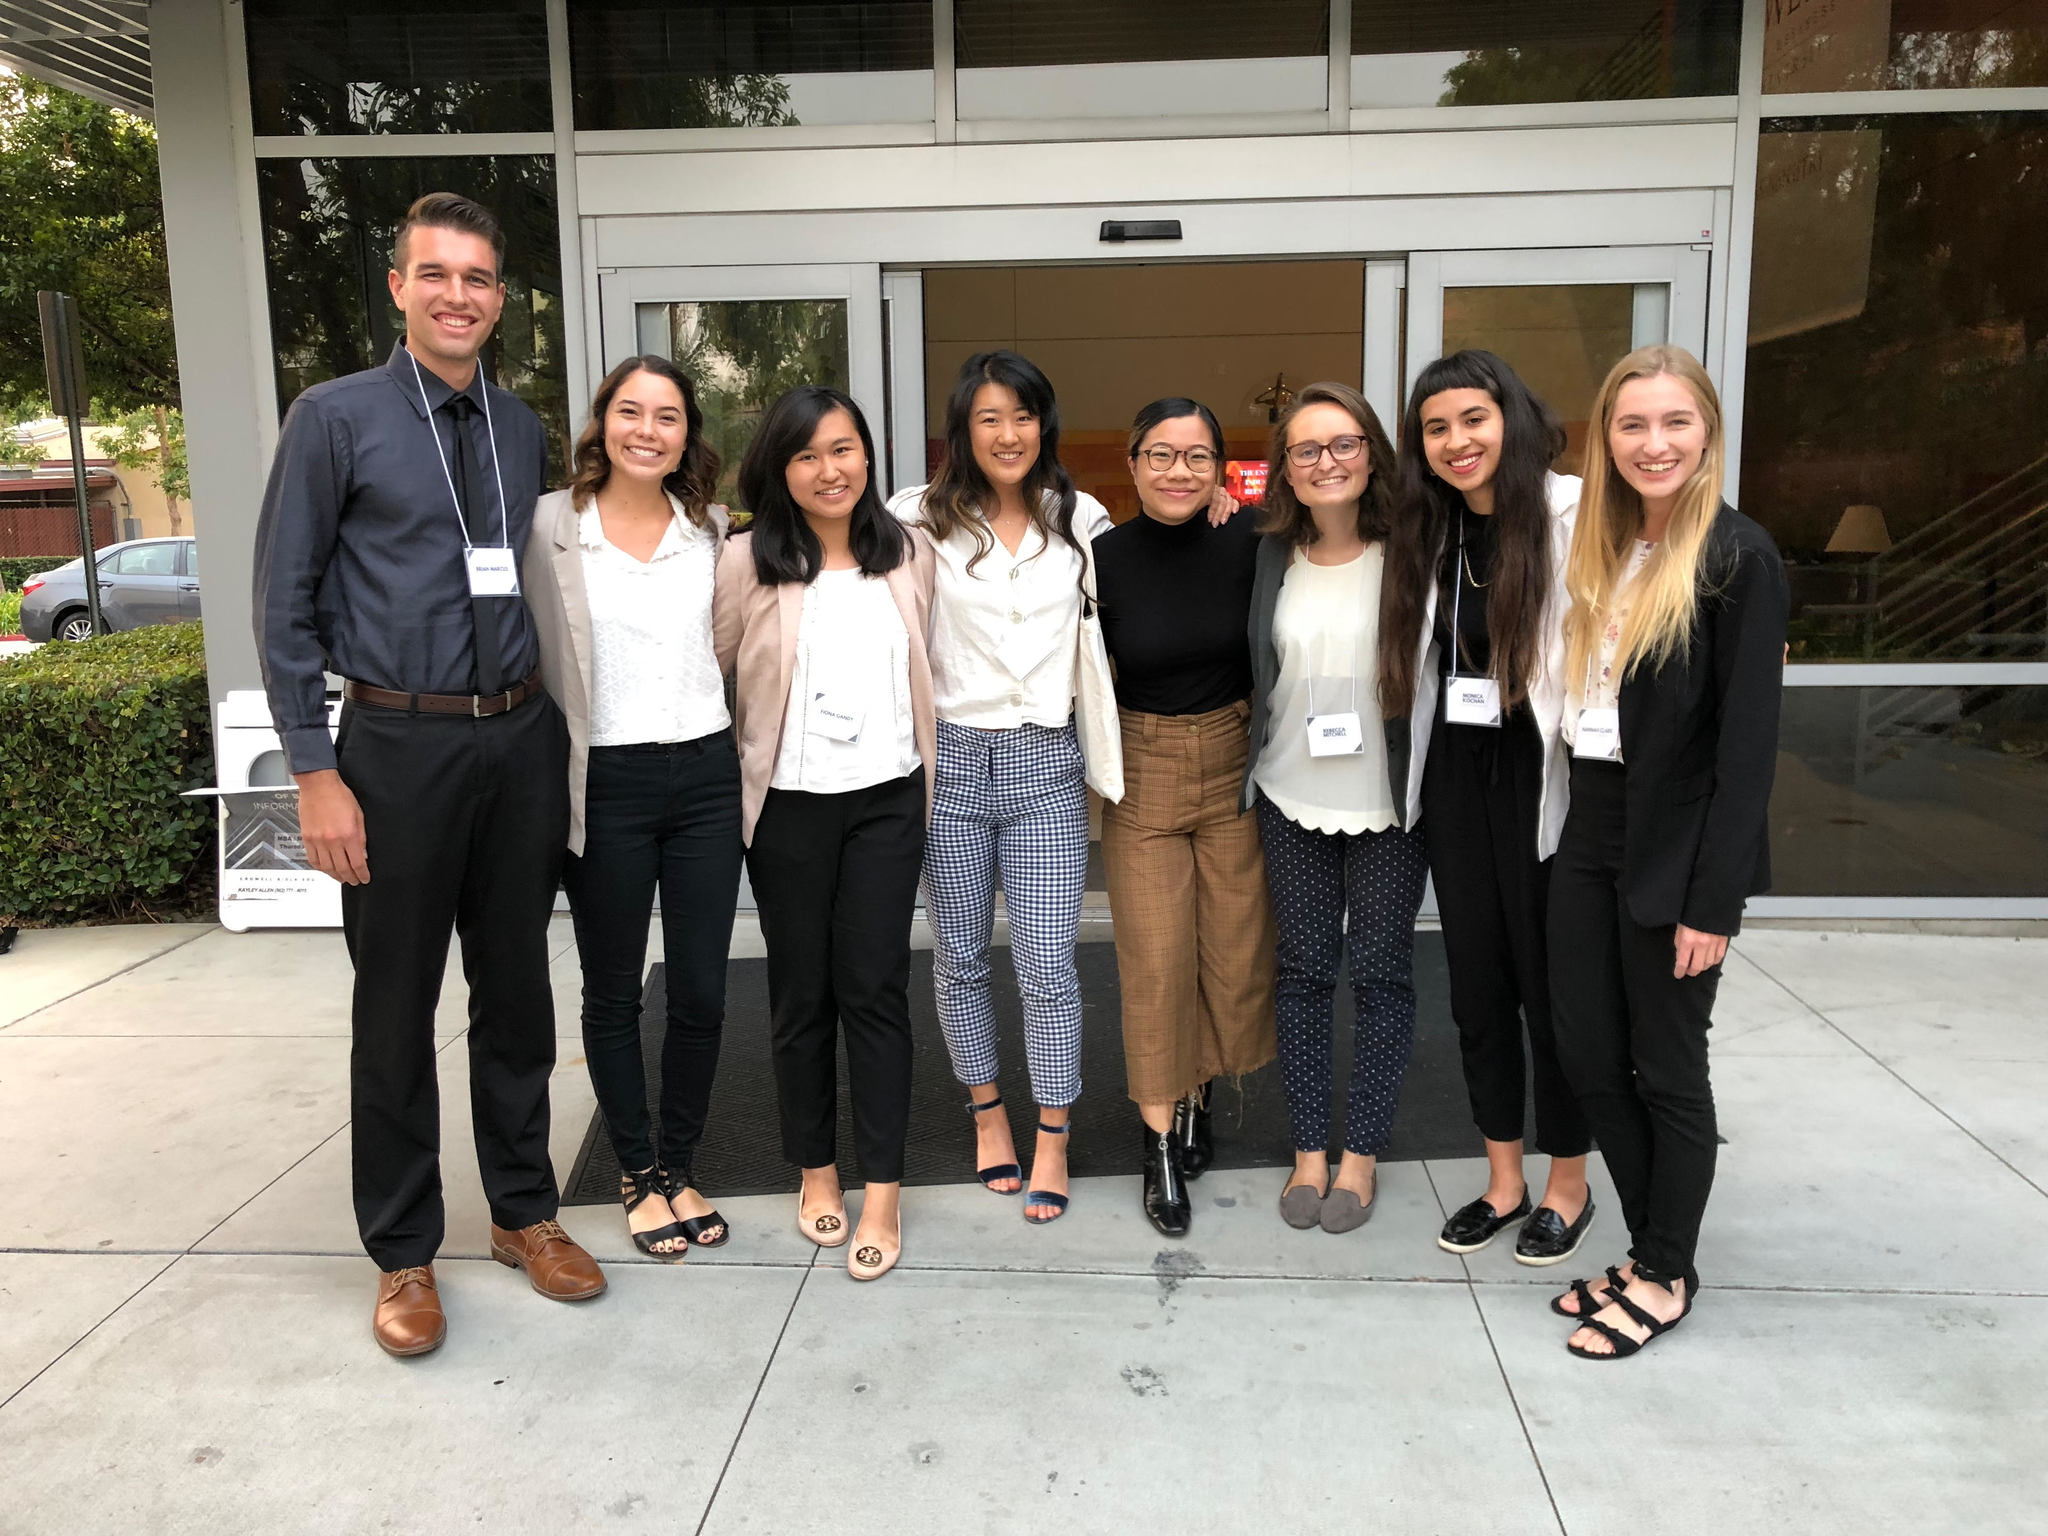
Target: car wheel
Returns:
[[76, 625]]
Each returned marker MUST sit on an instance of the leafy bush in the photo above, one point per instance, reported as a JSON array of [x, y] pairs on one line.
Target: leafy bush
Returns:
[[10, 613], [15, 569], [97, 740]]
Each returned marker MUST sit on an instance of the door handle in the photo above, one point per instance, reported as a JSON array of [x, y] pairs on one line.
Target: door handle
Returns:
[[188, 586]]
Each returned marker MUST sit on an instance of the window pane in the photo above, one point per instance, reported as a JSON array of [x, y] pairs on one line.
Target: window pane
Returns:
[[742, 354], [1474, 54], [1906, 45], [1140, 58], [750, 63], [1911, 792], [327, 230], [1895, 429], [385, 66], [147, 560], [1560, 338]]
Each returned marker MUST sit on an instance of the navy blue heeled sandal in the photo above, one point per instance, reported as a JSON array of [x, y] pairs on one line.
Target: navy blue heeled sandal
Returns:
[[1045, 1196], [995, 1171]]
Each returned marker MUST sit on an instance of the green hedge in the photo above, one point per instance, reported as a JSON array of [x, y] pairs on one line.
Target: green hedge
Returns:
[[10, 613], [96, 742], [15, 569]]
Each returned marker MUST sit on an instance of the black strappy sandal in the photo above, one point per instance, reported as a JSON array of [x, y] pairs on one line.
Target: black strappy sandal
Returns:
[[1045, 1196], [996, 1171], [1622, 1345], [635, 1190], [1587, 1305], [693, 1226]]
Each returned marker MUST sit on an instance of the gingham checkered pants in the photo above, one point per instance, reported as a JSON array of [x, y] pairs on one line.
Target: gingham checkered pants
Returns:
[[1009, 806]]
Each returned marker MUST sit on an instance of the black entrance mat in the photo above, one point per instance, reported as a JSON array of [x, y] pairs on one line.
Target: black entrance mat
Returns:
[[742, 1151]]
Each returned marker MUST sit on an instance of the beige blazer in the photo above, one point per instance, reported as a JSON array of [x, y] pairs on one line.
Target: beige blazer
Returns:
[[551, 573], [754, 629]]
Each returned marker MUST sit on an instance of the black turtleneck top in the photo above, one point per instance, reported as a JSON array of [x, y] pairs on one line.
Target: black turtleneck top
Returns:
[[1176, 600]]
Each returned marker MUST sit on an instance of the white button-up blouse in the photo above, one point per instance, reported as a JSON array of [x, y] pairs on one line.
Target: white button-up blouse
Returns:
[[1005, 634]]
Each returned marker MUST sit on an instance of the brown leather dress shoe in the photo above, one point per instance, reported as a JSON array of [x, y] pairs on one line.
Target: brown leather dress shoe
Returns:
[[558, 1268], [408, 1319]]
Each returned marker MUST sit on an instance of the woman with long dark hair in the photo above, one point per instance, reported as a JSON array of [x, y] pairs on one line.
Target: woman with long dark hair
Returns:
[[1674, 668], [1011, 536], [822, 616], [1475, 578], [619, 572], [1187, 882], [1326, 768]]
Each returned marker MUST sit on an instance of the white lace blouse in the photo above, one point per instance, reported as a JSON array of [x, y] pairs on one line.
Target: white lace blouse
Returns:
[[653, 675]]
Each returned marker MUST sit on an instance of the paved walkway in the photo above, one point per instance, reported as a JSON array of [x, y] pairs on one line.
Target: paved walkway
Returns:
[[186, 1345]]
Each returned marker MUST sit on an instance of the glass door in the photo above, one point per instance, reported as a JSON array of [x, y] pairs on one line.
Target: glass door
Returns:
[[746, 335], [1561, 318]]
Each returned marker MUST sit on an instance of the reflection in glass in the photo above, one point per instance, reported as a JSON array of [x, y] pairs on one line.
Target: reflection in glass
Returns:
[[398, 66], [1911, 792], [1899, 45], [1140, 58], [743, 354], [1895, 436], [750, 64], [1561, 338], [327, 232], [1471, 54]]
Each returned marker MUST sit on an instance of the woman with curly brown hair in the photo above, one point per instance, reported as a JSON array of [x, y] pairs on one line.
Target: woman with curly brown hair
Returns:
[[619, 574]]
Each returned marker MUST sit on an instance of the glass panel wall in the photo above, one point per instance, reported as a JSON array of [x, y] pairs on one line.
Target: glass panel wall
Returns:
[[750, 64], [327, 231], [391, 66], [1478, 53], [1902, 45], [1895, 428], [1140, 58], [1911, 792], [1561, 338]]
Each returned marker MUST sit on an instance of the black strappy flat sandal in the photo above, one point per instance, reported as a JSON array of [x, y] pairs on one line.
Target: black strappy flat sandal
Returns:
[[693, 1226], [635, 1190], [1622, 1345], [1587, 1305], [995, 1171], [1045, 1196]]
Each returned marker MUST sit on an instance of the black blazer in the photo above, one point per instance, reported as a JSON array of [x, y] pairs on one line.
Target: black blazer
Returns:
[[1699, 743]]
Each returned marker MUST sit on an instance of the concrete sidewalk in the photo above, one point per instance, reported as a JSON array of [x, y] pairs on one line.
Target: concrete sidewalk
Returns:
[[186, 1343]]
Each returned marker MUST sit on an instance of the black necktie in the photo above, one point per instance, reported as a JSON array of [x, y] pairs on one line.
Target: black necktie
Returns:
[[490, 664]]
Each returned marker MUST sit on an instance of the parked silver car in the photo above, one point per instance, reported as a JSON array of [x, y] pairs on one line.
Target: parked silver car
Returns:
[[145, 581]]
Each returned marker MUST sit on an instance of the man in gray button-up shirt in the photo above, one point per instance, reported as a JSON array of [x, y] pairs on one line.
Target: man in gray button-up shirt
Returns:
[[387, 552]]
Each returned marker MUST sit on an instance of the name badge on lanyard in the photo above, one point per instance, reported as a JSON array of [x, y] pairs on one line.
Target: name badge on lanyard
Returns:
[[1335, 735], [1471, 700], [492, 572], [1599, 735]]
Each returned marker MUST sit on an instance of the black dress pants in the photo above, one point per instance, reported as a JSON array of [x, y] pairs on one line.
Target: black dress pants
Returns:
[[661, 814], [465, 821], [1632, 1037], [1480, 792], [836, 879]]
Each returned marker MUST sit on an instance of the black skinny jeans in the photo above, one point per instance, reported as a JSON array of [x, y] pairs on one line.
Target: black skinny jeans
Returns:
[[1480, 791], [663, 814], [1632, 1037], [836, 877]]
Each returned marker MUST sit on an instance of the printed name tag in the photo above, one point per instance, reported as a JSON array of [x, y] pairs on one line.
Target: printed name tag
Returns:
[[833, 718], [1472, 701], [493, 572], [1599, 735], [1335, 735]]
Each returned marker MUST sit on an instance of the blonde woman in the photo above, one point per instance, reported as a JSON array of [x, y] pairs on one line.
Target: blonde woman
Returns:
[[1674, 654]]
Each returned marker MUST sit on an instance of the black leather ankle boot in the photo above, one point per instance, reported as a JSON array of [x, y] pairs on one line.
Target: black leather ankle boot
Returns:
[[1191, 1130], [1166, 1189]]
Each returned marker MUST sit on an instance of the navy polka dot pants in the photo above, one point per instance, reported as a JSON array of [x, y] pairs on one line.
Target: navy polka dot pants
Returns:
[[1318, 879]]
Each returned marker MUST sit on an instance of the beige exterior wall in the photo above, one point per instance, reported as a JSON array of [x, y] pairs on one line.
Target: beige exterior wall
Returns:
[[139, 497]]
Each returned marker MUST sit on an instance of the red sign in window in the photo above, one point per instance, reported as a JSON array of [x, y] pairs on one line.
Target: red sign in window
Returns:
[[1245, 479]]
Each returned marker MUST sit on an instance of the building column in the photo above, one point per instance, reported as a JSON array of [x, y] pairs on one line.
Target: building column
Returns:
[[220, 308]]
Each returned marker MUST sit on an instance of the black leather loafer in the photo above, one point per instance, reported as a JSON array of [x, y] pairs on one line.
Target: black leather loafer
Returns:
[[1545, 1239], [1473, 1226]]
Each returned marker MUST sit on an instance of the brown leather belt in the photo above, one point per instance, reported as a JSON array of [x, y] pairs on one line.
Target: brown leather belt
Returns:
[[474, 705]]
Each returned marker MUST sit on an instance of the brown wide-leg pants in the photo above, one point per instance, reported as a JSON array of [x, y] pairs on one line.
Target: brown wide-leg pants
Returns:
[[1187, 891]]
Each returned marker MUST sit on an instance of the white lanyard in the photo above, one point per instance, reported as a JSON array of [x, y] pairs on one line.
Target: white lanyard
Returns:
[[1338, 734], [1467, 700], [504, 521]]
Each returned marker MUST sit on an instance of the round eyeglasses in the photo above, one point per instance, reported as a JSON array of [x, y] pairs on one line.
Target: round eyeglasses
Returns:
[[1162, 458], [1343, 449]]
